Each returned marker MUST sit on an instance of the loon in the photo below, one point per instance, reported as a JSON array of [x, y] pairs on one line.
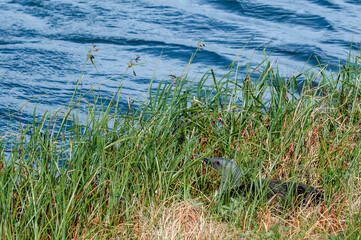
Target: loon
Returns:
[[232, 178]]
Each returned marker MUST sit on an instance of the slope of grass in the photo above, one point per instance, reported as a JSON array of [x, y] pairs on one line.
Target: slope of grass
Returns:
[[130, 172]]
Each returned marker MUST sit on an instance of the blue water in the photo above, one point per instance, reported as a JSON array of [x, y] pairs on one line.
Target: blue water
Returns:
[[43, 44]]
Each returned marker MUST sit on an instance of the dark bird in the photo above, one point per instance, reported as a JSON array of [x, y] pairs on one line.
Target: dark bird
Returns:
[[272, 189]]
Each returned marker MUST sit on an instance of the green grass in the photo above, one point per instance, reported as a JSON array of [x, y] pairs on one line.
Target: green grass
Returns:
[[122, 171]]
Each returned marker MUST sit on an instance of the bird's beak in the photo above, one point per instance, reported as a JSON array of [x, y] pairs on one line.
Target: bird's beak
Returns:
[[205, 159]]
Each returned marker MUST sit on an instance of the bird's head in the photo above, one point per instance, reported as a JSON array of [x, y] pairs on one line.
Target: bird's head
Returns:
[[223, 165], [218, 163]]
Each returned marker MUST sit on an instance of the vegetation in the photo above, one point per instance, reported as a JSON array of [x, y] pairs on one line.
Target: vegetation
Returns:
[[128, 170]]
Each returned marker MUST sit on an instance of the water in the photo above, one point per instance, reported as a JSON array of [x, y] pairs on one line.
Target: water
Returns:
[[43, 44]]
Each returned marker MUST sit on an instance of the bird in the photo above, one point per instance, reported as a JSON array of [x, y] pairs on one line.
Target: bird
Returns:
[[274, 191]]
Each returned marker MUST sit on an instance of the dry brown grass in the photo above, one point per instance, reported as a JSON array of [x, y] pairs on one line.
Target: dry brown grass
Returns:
[[178, 220], [192, 220], [303, 223]]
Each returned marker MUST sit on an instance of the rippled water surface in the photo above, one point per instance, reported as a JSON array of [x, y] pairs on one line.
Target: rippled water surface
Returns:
[[43, 44]]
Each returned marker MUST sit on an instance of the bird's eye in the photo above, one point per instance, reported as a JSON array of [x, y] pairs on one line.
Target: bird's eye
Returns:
[[218, 163]]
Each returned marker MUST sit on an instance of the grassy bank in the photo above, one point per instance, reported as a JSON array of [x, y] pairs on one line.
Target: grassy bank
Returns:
[[128, 170]]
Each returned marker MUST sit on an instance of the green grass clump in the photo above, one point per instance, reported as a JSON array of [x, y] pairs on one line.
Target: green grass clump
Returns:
[[128, 170]]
